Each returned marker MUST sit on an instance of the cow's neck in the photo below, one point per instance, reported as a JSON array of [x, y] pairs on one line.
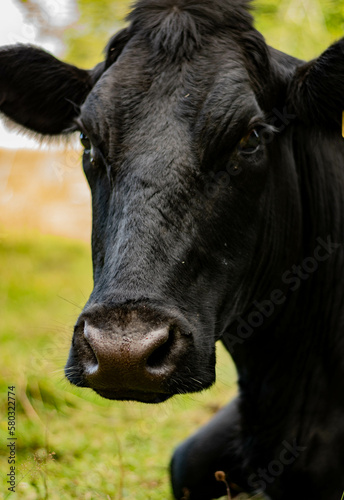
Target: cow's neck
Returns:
[[290, 367]]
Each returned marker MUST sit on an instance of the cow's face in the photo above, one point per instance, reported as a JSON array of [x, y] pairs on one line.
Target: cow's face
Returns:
[[170, 246], [183, 168]]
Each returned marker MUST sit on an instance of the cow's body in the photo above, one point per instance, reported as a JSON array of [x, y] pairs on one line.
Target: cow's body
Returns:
[[216, 166]]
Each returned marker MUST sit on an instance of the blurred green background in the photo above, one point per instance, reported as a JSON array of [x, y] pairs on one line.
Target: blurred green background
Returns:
[[71, 443]]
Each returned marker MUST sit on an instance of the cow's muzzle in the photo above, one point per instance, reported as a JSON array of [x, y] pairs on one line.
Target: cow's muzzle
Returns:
[[127, 356]]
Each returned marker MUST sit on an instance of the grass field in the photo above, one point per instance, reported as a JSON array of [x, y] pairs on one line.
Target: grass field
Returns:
[[70, 442]]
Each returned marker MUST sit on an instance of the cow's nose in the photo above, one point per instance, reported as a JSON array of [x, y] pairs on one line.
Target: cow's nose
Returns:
[[134, 363], [113, 357]]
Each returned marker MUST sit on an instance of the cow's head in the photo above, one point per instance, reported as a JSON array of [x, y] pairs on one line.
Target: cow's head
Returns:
[[189, 157]]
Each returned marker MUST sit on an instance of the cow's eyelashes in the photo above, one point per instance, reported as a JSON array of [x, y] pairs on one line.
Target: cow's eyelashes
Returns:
[[251, 143]]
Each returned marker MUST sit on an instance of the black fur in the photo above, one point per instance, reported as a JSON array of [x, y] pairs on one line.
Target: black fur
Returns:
[[40, 92], [316, 92], [177, 28], [197, 230]]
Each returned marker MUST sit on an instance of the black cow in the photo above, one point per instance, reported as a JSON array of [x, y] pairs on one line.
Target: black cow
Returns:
[[216, 165]]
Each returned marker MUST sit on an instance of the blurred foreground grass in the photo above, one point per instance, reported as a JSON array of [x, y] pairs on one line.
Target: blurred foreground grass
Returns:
[[71, 443]]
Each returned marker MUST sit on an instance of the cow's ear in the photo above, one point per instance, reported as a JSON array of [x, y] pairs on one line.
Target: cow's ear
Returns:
[[40, 92], [317, 89]]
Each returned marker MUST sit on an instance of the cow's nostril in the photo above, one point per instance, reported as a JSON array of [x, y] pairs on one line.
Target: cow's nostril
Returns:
[[160, 357], [92, 361]]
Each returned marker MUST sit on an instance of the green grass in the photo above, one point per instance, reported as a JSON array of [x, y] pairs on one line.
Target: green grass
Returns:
[[71, 443]]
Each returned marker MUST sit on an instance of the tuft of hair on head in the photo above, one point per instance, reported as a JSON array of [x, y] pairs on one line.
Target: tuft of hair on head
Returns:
[[178, 27]]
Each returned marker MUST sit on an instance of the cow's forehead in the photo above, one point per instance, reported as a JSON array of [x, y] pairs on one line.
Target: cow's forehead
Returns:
[[141, 96]]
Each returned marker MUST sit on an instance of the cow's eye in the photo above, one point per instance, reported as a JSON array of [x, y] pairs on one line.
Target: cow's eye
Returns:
[[251, 142], [89, 150], [85, 142]]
